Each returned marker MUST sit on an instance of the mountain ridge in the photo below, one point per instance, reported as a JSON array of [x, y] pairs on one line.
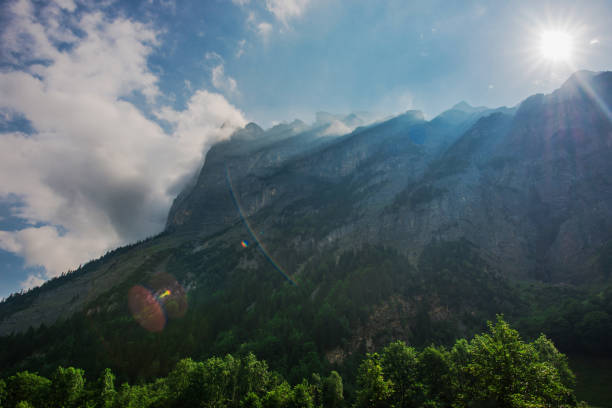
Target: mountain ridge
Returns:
[[421, 220]]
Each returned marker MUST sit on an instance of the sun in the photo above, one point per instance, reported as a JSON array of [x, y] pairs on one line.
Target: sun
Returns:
[[556, 46]]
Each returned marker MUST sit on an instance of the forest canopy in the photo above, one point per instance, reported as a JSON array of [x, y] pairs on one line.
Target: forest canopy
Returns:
[[495, 368]]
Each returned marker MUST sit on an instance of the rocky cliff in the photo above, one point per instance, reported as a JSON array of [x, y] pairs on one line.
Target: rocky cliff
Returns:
[[417, 223], [528, 186]]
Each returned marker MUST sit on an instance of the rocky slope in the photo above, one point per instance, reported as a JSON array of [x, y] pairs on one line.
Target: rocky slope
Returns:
[[530, 188], [422, 222]]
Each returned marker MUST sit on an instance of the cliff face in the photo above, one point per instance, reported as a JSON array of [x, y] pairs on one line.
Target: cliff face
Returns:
[[529, 187], [532, 190]]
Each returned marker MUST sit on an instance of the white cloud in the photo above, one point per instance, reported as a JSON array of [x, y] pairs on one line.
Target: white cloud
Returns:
[[219, 79], [285, 10], [32, 281], [26, 36], [206, 112], [66, 4], [594, 41], [223, 82], [97, 173], [241, 2], [264, 29], [336, 128]]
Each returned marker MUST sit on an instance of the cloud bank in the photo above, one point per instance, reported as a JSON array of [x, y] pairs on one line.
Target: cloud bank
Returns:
[[96, 172]]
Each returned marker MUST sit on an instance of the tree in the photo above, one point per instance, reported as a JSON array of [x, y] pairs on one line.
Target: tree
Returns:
[[400, 366], [462, 382], [68, 385], [301, 396], [332, 395], [435, 367], [105, 389], [507, 372], [251, 400], [30, 387], [278, 397], [134, 396], [254, 376], [316, 389], [179, 379], [373, 390], [547, 352]]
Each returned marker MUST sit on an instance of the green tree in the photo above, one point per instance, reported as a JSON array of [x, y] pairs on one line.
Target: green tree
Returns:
[[301, 396], [253, 376], [105, 390], [26, 386], [138, 396], [179, 381], [251, 400], [507, 372], [68, 385], [373, 390], [462, 381], [333, 391], [316, 389], [547, 352], [400, 366], [435, 367], [278, 397]]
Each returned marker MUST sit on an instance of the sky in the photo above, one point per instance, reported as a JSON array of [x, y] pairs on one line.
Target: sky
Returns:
[[107, 107]]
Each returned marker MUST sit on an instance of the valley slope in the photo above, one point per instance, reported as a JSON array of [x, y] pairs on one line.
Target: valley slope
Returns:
[[306, 247]]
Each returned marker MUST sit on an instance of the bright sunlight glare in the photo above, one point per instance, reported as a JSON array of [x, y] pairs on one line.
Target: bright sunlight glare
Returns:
[[556, 45]]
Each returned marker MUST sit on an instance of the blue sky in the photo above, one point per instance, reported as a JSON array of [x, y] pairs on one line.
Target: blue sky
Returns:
[[106, 108]]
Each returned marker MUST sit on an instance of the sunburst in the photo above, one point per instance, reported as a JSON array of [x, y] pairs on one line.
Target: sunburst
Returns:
[[556, 46]]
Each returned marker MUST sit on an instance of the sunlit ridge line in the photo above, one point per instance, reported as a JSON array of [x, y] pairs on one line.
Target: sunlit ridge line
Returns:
[[251, 231], [591, 92]]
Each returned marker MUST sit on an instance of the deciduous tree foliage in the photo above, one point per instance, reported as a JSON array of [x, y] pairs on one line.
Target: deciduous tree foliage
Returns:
[[494, 369]]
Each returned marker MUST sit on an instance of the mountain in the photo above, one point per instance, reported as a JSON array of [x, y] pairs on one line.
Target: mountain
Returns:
[[528, 188], [305, 246]]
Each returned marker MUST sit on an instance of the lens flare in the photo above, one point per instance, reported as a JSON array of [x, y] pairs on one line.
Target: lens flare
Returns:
[[246, 223], [244, 243], [162, 298], [146, 309], [171, 294]]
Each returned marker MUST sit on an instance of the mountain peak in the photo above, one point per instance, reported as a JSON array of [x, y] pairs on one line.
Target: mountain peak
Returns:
[[250, 131], [586, 84], [463, 106], [581, 75], [415, 115], [253, 127], [297, 122]]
